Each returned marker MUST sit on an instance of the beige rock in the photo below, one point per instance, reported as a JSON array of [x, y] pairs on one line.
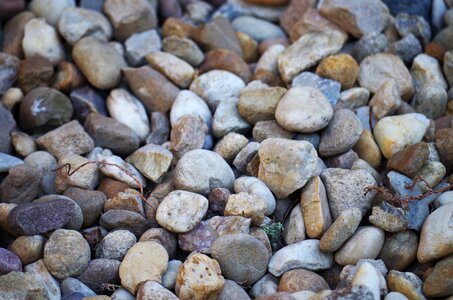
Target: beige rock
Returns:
[[427, 70], [177, 70], [28, 248], [152, 161], [144, 261], [129, 200], [267, 67], [23, 143], [86, 177], [153, 290], [294, 227], [39, 271], [439, 282], [307, 51], [367, 149], [406, 283], [315, 205], [367, 276], [230, 145], [199, 277], [302, 280], [246, 205], [386, 100]]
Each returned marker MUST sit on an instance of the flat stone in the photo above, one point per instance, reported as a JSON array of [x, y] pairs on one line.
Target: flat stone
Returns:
[[246, 205], [45, 163], [399, 250], [296, 110], [162, 236], [307, 51], [124, 219], [152, 161], [315, 207], [330, 88], [87, 177], [183, 48], [154, 89], [169, 277], [90, 202], [144, 261], [140, 44], [388, 218], [177, 70], [439, 282], [368, 278], [282, 154], [296, 9], [378, 68], [448, 66], [433, 172], [50, 10], [23, 143], [66, 253], [341, 134], [304, 254], [386, 100], [294, 227]]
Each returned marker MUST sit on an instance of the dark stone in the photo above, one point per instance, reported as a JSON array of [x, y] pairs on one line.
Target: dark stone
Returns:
[[110, 133], [34, 72], [343, 160], [410, 159], [412, 7], [91, 203], [9, 262], [445, 38], [14, 34], [9, 66], [124, 219], [45, 107], [229, 11], [368, 45], [160, 128], [218, 199], [74, 295], [85, 100], [407, 48], [444, 143], [7, 125], [93, 4], [36, 218], [409, 24], [100, 272], [21, 185], [9, 8], [169, 8]]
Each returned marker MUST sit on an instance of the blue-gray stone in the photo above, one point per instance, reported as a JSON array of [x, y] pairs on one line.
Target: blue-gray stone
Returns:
[[437, 14], [86, 100], [330, 88], [408, 24], [8, 161], [71, 285], [229, 11], [313, 138], [257, 29], [93, 4], [407, 48], [412, 7], [363, 113], [73, 296], [368, 45]]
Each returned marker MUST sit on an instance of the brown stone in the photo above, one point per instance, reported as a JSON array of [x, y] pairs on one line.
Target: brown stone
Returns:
[[68, 77], [399, 250], [270, 129], [409, 160], [9, 8], [440, 282], [111, 187], [266, 44], [302, 280], [444, 143], [188, 133], [223, 59], [436, 51], [156, 92], [34, 72], [367, 149], [14, 34], [443, 122], [295, 11], [129, 200], [218, 199], [315, 206], [341, 67], [344, 160], [249, 47], [217, 34], [21, 185], [177, 27]]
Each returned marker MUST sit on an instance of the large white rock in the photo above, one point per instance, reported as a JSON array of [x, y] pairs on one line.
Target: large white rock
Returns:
[[187, 103]]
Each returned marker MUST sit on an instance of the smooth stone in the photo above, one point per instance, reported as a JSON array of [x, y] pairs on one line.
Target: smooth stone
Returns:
[[45, 163], [315, 207], [399, 250], [427, 70], [86, 177], [360, 164], [28, 248], [341, 230], [13, 33], [341, 134], [294, 227], [394, 133], [246, 205], [9, 66], [40, 272], [34, 72], [244, 157], [86, 100], [444, 142], [368, 277], [140, 44], [71, 285], [7, 125], [77, 23], [303, 109], [99, 272], [378, 68], [153, 161], [217, 86], [209, 171], [266, 68], [395, 296], [267, 285], [346, 189], [187, 103], [242, 257], [258, 101], [41, 39], [340, 68], [443, 38], [222, 59], [230, 145], [111, 170], [10, 262], [160, 235], [406, 283], [19, 285], [155, 91], [444, 198], [278, 169], [307, 51], [368, 45], [124, 219], [90, 202], [256, 187], [183, 48], [115, 245], [344, 160], [439, 283], [232, 290], [313, 138], [388, 218], [366, 242], [160, 128], [433, 246], [169, 277], [407, 48], [50, 10], [433, 172], [270, 129], [153, 290], [360, 19], [256, 28], [21, 185], [66, 253], [329, 88], [188, 133], [386, 100], [409, 160], [177, 70], [23, 143], [407, 24], [128, 110], [304, 254], [302, 280], [76, 221], [144, 261]]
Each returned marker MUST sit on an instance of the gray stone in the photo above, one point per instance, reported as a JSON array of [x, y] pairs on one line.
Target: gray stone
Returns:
[[99, 272], [91, 203], [21, 185], [9, 262], [257, 29], [124, 219], [8, 161], [430, 100], [407, 24], [227, 119], [19, 285], [140, 44], [9, 66], [369, 45], [330, 88], [71, 285], [183, 48], [160, 128], [406, 48]]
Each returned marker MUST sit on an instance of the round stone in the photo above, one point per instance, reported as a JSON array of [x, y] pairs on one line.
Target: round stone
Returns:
[[99, 272], [399, 250], [115, 244], [29, 248], [187, 103], [302, 280], [341, 67], [303, 109]]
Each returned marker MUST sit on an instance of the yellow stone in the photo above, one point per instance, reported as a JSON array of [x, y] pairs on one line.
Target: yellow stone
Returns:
[[367, 149], [341, 67]]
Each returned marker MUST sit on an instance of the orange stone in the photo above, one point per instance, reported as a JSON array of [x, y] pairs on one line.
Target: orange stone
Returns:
[[341, 67], [367, 149], [223, 59], [174, 26], [302, 280], [249, 47]]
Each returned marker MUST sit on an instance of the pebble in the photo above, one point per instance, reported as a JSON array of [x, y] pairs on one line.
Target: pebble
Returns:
[[128, 110], [304, 254], [427, 70], [177, 70], [76, 221], [368, 45], [246, 205], [267, 69], [9, 66], [386, 100], [129, 18], [294, 227], [267, 285], [433, 172], [254, 186], [295, 111], [227, 119], [167, 239], [315, 207], [367, 277], [77, 23], [86, 178], [378, 68], [394, 133], [431, 100], [444, 142], [71, 285], [140, 44], [345, 189], [242, 257], [199, 277], [181, 211], [302, 280], [110, 170], [341, 134], [186, 103], [22, 285], [153, 161], [222, 59], [183, 48], [409, 160], [439, 282], [115, 245], [407, 48], [21, 185], [41, 39], [307, 51], [256, 28], [45, 163], [85, 101], [443, 199], [395, 296], [399, 250], [341, 67], [407, 24], [278, 168], [23, 143], [232, 290], [230, 145], [344, 226], [367, 17], [188, 133], [66, 253], [366, 242], [50, 10], [245, 156], [10, 262], [406, 283], [330, 88], [144, 261], [160, 129], [153, 290], [40, 272], [124, 219], [99, 272], [99, 62], [448, 66], [169, 277], [28, 248], [270, 129], [155, 91]]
